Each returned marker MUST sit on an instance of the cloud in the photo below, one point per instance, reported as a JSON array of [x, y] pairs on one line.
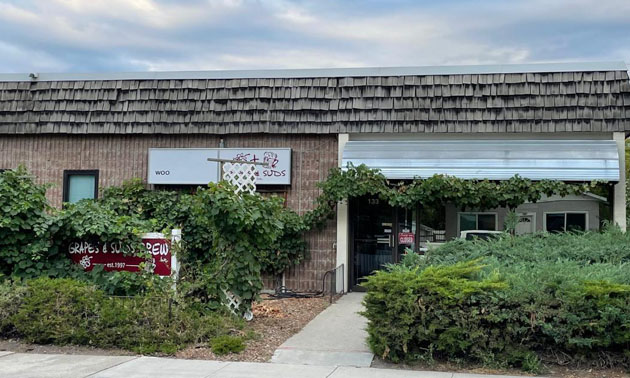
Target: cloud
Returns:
[[14, 58], [127, 35], [268, 59], [149, 13]]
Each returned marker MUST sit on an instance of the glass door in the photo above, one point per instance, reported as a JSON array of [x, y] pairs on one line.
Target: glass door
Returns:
[[406, 231], [374, 237]]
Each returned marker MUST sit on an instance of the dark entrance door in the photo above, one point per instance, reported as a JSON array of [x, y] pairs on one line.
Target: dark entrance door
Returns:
[[375, 227]]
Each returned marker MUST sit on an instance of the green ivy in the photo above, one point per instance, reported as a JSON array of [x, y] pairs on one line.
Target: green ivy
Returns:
[[243, 228], [228, 240], [27, 226], [343, 184], [95, 222]]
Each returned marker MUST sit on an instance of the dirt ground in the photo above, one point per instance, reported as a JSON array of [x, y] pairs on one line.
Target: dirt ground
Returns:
[[274, 322], [551, 370], [18, 346]]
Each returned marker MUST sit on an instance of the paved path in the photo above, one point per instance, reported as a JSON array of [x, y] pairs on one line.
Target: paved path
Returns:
[[27, 365], [336, 337]]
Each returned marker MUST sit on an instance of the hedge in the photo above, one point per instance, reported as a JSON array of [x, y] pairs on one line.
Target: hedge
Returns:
[[506, 302], [66, 311]]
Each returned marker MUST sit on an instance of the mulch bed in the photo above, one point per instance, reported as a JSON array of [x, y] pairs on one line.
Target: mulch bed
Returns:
[[275, 320]]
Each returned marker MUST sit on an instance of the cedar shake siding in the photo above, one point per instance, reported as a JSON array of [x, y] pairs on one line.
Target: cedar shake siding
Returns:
[[533, 102]]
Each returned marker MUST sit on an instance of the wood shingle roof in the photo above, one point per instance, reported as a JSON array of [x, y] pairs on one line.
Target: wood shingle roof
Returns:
[[459, 103]]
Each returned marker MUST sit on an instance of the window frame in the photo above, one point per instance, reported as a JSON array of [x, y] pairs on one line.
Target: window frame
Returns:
[[585, 212], [78, 172], [477, 213]]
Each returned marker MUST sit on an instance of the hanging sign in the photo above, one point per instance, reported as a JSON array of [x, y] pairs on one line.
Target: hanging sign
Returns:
[[190, 166], [116, 256], [406, 238]]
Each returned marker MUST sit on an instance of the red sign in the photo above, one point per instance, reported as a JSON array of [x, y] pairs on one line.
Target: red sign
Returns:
[[406, 238], [117, 257]]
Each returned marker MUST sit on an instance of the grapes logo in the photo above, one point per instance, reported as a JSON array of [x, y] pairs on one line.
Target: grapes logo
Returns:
[[86, 261], [271, 158], [242, 157]]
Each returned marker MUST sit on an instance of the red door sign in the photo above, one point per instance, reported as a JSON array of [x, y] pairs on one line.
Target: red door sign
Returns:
[[112, 255], [406, 238]]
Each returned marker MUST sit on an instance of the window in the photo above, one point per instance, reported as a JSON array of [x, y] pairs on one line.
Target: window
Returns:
[[477, 221], [566, 221], [78, 185]]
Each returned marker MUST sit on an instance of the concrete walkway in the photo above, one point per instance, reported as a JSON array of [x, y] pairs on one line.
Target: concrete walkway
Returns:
[[336, 337], [27, 365]]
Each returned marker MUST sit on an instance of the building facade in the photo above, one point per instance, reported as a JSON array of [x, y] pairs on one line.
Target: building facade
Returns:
[[84, 132]]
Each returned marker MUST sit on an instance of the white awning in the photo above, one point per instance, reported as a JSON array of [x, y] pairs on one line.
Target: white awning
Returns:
[[566, 160]]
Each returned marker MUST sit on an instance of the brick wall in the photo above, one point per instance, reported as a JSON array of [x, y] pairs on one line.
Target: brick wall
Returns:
[[122, 157]]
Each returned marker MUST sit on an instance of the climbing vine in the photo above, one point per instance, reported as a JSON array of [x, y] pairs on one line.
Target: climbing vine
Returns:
[[436, 190], [229, 240]]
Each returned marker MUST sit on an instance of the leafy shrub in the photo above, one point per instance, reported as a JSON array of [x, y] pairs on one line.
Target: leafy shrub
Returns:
[[612, 246], [66, 311], [11, 297], [60, 311], [151, 324], [243, 228], [227, 344], [163, 208], [123, 283], [26, 228], [401, 305], [504, 301], [92, 221]]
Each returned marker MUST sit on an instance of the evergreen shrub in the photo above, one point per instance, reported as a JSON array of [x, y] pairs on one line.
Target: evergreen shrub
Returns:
[[506, 301], [67, 311]]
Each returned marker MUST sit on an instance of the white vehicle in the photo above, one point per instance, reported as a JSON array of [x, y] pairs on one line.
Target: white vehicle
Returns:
[[481, 234]]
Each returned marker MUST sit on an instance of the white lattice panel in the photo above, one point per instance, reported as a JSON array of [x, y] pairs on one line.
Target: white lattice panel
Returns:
[[241, 175], [233, 303]]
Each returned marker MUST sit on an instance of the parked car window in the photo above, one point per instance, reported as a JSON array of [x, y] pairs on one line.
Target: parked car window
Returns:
[[559, 222]]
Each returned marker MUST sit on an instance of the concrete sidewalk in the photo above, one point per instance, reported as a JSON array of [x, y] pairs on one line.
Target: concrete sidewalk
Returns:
[[26, 365], [336, 337]]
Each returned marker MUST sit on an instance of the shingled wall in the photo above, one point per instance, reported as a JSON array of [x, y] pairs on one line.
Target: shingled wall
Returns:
[[525, 102]]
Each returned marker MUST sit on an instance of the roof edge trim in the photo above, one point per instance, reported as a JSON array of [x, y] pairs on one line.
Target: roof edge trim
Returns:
[[324, 72]]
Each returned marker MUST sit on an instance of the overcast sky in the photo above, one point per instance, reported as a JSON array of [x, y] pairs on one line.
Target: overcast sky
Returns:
[[141, 35]]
